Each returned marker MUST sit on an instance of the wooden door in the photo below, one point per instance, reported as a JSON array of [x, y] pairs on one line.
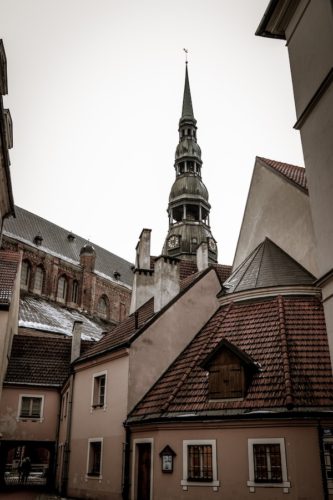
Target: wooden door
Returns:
[[144, 471]]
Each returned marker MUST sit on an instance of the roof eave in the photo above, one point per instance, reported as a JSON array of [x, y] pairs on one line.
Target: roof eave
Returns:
[[275, 19]]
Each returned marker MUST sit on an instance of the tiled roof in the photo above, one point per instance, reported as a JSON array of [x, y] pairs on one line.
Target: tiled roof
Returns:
[[286, 336], [293, 173], [56, 242], [123, 332], [9, 262], [39, 314], [267, 266], [40, 360]]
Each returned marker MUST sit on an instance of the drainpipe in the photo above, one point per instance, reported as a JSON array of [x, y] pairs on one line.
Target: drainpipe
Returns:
[[322, 460], [127, 452], [65, 463]]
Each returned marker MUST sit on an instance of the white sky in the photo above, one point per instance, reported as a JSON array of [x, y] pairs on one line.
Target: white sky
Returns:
[[95, 93]]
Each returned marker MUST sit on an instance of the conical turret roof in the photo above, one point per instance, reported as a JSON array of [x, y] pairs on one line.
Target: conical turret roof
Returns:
[[268, 265]]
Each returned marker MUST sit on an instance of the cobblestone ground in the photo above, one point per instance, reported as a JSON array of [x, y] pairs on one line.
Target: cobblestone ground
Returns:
[[28, 495]]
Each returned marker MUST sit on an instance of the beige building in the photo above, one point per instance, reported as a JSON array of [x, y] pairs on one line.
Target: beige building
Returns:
[[307, 27], [246, 409]]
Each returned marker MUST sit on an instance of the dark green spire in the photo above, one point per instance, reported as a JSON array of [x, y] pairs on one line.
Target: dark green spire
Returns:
[[187, 112]]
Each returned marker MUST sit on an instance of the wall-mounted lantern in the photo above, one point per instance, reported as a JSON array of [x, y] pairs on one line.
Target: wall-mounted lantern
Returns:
[[167, 455]]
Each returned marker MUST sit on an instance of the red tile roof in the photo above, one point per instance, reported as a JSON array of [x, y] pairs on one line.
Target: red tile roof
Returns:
[[285, 335], [40, 360], [293, 173], [122, 334], [9, 262]]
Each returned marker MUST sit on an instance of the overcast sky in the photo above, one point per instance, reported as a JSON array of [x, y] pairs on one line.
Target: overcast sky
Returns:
[[95, 93]]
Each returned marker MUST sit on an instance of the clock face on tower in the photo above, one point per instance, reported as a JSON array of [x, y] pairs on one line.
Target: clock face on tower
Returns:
[[212, 244], [173, 241]]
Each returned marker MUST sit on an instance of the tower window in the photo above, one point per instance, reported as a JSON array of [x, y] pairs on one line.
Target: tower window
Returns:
[[75, 292], [103, 307], [62, 289], [39, 280], [25, 274]]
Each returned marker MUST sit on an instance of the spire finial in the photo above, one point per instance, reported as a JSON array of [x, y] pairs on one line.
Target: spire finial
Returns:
[[186, 52]]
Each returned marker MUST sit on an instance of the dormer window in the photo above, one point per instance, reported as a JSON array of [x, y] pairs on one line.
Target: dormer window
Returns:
[[230, 372], [38, 239]]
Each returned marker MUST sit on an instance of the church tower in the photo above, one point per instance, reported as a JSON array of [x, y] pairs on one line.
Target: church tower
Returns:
[[188, 207]]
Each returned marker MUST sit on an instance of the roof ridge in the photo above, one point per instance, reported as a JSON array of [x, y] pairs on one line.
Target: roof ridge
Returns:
[[285, 354], [180, 382]]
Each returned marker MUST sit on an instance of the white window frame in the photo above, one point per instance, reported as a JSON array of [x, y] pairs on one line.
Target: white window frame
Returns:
[[97, 375], [285, 484], [34, 419], [134, 469], [329, 481], [199, 442], [100, 476]]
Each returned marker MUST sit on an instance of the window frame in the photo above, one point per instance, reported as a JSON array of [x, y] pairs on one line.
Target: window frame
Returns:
[[98, 406], [90, 475], [26, 268], [185, 483], [104, 314], [63, 297], [39, 273], [285, 484], [329, 480], [30, 396]]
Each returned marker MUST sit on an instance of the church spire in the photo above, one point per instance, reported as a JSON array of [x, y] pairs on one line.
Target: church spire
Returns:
[[188, 207], [187, 112]]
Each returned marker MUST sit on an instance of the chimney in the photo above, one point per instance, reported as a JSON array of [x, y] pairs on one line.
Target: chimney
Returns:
[[76, 340], [143, 282], [166, 281], [88, 257], [202, 256]]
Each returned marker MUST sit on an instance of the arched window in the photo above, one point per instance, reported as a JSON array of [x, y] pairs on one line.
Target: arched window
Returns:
[[39, 279], [25, 274], [62, 288], [75, 292], [103, 307]]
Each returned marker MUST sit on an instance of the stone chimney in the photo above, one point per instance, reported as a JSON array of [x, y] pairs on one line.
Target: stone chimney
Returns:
[[166, 281], [143, 282], [202, 256], [76, 340], [88, 257]]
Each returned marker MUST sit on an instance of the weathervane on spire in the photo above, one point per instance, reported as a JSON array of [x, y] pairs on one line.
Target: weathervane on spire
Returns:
[[186, 52]]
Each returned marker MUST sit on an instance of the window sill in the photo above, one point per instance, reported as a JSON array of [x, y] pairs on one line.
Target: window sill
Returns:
[[30, 419], [212, 484], [94, 477], [285, 485], [98, 407]]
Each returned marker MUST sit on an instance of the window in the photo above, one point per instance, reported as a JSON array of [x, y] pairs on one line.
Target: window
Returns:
[[199, 463], [328, 457], [267, 463], [64, 404], [102, 307], [62, 288], [25, 274], [94, 460], [99, 391], [75, 292], [39, 279], [230, 372], [31, 407]]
